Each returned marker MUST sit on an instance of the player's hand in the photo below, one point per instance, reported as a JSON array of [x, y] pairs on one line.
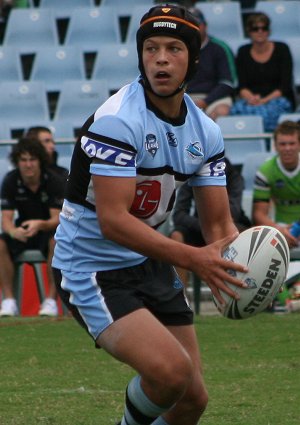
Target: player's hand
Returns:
[[215, 271]]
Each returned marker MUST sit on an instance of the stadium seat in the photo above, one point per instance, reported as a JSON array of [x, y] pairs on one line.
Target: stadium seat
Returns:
[[23, 102], [224, 20], [237, 148], [251, 163], [135, 15], [4, 132], [35, 259], [29, 29], [284, 16], [63, 4], [90, 27], [79, 99], [117, 63], [5, 165], [61, 129], [295, 116], [54, 65], [129, 3], [10, 65], [294, 45]]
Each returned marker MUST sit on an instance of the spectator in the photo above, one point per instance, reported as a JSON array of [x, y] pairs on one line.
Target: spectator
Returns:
[[265, 74], [45, 137], [35, 194], [185, 218], [277, 183], [212, 87]]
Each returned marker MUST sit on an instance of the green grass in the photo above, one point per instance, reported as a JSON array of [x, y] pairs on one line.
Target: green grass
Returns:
[[51, 374]]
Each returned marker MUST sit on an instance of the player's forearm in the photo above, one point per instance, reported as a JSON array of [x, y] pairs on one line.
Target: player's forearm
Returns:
[[128, 231]]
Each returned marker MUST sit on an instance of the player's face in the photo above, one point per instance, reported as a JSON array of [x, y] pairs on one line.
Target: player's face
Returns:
[[47, 141], [29, 166], [288, 147], [165, 62]]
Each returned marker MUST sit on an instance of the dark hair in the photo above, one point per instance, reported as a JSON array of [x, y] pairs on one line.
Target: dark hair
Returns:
[[31, 146], [257, 18], [33, 132], [287, 127]]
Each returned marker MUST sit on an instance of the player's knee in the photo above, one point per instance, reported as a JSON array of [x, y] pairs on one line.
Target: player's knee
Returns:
[[176, 375]]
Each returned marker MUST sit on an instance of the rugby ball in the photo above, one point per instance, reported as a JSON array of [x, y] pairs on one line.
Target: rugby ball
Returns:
[[264, 250]]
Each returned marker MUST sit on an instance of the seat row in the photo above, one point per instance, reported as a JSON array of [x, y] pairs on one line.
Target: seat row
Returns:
[[115, 62], [89, 26]]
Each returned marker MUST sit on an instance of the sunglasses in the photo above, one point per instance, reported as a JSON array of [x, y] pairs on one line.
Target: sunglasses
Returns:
[[261, 28]]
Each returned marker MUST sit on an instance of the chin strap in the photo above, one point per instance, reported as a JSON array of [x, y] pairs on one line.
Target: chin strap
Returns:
[[147, 86]]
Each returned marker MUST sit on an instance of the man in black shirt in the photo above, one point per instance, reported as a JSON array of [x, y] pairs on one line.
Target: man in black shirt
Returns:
[[34, 194]]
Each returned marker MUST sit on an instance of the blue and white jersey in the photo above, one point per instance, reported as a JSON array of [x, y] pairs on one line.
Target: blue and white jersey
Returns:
[[128, 137]]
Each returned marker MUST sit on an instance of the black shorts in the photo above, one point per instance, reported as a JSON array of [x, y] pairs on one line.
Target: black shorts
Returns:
[[153, 285], [39, 241]]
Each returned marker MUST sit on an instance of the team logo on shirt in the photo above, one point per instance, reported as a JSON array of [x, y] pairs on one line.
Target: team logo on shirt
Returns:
[[151, 144], [172, 139], [194, 150]]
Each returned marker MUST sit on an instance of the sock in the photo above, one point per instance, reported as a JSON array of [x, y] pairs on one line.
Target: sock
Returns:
[[159, 421], [139, 409]]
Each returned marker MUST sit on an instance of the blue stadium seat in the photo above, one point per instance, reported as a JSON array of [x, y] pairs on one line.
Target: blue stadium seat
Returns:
[[117, 63], [79, 99], [53, 65], [284, 15], [241, 125], [10, 64], [29, 29], [135, 15], [90, 27], [128, 3], [64, 8], [294, 45], [224, 20], [23, 102], [4, 132], [295, 116]]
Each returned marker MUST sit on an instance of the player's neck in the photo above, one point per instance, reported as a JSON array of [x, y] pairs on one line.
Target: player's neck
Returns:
[[170, 107]]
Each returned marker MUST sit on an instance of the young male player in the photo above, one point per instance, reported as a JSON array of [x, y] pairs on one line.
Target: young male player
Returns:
[[117, 273]]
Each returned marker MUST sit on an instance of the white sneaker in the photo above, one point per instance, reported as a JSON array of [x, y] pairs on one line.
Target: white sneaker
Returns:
[[9, 308], [48, 308]]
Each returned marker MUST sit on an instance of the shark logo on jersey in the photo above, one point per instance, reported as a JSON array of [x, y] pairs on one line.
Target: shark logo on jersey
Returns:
[[151, 144], [172, 139], [194, 150], [106, 152]]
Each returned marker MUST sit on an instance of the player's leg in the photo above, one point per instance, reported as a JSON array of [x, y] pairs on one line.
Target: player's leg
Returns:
[[6, 270], [190, 407], [164, 366]]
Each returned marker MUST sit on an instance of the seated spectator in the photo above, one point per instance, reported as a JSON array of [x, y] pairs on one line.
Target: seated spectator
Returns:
[[31, 199], [277, 183], [45, 137], [185, 218], [212, 87], [265, 74]]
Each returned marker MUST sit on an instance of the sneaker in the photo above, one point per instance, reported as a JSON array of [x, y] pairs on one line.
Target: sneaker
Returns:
[[48, 308], [9, 308]]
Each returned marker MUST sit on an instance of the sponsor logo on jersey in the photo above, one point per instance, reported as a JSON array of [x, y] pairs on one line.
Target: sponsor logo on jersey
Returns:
[[106, 152], [147, 198], [172, 139], [194, 150], [151, 144]]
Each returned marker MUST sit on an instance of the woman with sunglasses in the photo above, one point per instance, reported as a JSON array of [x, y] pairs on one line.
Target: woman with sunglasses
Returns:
[[265, 74]]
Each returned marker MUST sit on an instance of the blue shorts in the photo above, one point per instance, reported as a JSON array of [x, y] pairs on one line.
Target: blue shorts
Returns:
[[98, 299]]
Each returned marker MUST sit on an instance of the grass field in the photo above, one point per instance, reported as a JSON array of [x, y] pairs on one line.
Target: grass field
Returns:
[[52, 375]]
